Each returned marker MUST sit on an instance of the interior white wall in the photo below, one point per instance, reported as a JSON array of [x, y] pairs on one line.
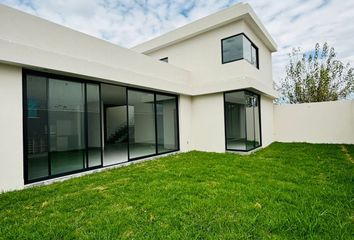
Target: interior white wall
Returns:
[[144, 123], [325, 122], [11, 140]]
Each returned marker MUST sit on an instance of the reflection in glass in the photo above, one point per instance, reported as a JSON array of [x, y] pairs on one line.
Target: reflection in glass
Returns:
[[93, 125], [37, 127], [66, 105], [232, 48], [254, 56], [247, 49], [166, 116], [142, 140], [239, 47]]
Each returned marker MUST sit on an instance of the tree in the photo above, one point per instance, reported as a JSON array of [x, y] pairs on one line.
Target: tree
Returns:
[[316, 77]]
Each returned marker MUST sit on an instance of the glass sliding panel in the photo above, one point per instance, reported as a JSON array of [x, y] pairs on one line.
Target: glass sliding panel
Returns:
[[93, 125], [114, 105], [242, 121], [250, 132], [232, 48], [254, 56], [37, 127], [66, 105], [142, 139], [235, 120], [166, 117], [247, 49]]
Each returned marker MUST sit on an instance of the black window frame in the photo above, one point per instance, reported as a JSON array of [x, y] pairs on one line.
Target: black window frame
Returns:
[[64, 77], [165, 59], [259, 119], [242, 58]]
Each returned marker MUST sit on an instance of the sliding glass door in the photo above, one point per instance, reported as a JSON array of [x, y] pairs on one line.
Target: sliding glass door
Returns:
[[153, 123], [142, 138], [72, 125], [66, 126], [93, 109], [114, 105], [242, 120], [63, 126], [166, 122], [36, 135]]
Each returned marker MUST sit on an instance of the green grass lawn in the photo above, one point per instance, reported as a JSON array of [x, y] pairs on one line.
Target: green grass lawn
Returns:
[[286, 191]]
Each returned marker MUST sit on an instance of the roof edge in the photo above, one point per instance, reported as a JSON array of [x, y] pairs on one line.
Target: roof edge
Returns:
[[239, 11]]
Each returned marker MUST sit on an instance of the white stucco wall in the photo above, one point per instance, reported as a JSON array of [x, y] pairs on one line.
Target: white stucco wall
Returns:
[[208, 131], [11, 154], [36, 43], [202, 56], [326, 122], [185, 122], [267, 123]]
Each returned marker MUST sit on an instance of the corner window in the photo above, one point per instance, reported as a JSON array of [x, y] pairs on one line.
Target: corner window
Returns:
[[239, 47], [164, 59], [242, 120]]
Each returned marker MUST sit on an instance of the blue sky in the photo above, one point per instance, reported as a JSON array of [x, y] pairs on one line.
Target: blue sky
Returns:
[[292, 23]]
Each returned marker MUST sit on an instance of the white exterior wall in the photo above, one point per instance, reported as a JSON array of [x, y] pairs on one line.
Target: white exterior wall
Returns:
[[326, 122], [32, 42], [208, 131], [11, 140], [185, 123], [267, 126], [202, 56]]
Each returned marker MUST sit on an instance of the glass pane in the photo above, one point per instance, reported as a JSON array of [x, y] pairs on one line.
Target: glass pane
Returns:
[[66, 126], [93, 125], [250, 133], [166, 116], [37, 127], [254, 56], [232, 48], [235, 113], [115, 149], [247, 49], [141, 124], [242, 120]]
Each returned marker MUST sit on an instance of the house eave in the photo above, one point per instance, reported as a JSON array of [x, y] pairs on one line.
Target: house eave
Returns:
[[235, 13]]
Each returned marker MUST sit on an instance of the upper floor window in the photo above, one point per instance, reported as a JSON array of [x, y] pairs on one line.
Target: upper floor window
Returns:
[[164, 59], [239, 47]]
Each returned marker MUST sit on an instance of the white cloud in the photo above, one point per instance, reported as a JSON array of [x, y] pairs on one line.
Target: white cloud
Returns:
[[293, 23]]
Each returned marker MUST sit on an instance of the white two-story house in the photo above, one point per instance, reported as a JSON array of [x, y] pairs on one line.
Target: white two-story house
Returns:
[[72, 103]]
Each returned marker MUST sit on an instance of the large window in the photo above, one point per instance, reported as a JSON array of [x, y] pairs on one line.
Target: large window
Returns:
[[62, 131], [166, 122], [242, 120], [66, 107], [73, 125], [37, 128], [141, 110], [239, 47], [114, 105], [153, 123]]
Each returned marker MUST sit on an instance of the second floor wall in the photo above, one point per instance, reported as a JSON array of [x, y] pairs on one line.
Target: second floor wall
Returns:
[[202, 55]]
